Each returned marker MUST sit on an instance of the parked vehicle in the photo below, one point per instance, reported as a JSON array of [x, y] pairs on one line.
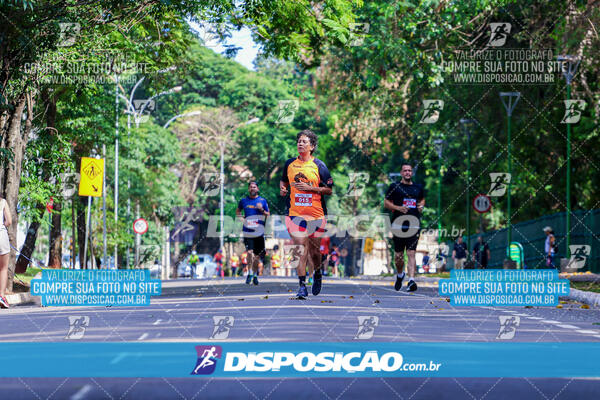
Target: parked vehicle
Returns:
[[205, 268]]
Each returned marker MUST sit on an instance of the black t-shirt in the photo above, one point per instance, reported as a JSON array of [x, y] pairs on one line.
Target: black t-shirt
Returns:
[[460, 249], [482, 257], [405, 195]]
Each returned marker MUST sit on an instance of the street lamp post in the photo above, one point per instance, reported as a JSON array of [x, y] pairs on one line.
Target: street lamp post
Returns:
[[130, 110], [509, 106], [188, 114], [439, 145], [569, 73], [116, 162], [467, 124]]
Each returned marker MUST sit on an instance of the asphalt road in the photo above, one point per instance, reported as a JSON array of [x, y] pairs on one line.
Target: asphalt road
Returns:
[[268, 312]]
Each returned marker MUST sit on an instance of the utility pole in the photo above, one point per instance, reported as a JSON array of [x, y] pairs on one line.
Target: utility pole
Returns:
[[509, 106]]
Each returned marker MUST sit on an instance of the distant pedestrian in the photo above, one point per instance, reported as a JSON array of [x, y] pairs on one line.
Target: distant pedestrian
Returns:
[[549, 247], [193, 261], [481, 253], [425, 263], [460, 252]]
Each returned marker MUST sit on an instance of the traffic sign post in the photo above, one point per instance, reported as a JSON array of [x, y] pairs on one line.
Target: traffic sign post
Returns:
[[91, 184], [482, 203], [368, 245], [92, 176], [140, 226]]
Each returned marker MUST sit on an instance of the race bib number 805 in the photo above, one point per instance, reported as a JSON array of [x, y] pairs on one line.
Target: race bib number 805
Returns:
[[410, 203]]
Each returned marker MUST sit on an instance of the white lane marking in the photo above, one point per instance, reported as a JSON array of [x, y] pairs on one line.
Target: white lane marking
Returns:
[[144, 336], [523, 315], [547, 321], [536, 318], [81, 393], [587, 332], [568, 326], [598, 336], [157, 322]]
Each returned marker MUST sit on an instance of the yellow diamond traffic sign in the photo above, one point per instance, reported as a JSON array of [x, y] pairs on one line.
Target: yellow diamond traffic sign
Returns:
[[368, 245], [92, 172]]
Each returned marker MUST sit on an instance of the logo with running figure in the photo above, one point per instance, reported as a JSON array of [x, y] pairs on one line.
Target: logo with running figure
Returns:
[[207, 359], [358, 31], [500, 181], [579, 255], [366, 326], [77, 326], [222, 327], [68, 33], [293, 253], [573, 109], [499, 33], [142, 110], [212, 181], [356, 183], [211, 33], [69, 182], [287, 110], [508, 326], [431, 111]]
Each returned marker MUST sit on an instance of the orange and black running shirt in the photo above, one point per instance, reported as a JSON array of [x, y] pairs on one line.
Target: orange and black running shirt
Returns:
[[308, 205]]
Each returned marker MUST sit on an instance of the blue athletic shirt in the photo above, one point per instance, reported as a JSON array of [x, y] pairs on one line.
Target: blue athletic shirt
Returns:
[[253, 216]]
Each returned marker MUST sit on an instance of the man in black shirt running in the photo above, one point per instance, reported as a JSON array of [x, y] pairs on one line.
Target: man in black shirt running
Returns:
[[406, 201]]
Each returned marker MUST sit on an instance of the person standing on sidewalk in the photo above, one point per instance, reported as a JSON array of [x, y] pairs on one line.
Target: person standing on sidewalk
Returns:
[[549, 247], [460, 252], [481, 253], [5, 221]]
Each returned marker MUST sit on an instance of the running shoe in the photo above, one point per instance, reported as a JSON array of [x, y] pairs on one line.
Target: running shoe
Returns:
[[248, 279], [310, 280], [398, 283], [4, 302], [255, 280], [302, 293], [412, 286], [316, 287]]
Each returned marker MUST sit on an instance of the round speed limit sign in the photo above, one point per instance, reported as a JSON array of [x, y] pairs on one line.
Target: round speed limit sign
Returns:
[[140, 226], [482, 203]]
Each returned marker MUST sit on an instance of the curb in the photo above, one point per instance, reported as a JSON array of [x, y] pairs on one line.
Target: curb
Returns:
[[418, 279], [21, 298], [582, 296]]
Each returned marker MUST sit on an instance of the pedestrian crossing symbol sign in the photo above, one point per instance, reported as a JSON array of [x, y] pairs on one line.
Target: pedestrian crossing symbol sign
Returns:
[[92, 173]]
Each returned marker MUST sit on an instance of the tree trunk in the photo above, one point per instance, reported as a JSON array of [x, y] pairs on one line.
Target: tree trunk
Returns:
[[16, 140], [29, 244], [175, 258], [55, 246]]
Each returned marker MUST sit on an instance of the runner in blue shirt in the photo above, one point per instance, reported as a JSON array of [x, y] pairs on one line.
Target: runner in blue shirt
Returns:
[[256, 211]]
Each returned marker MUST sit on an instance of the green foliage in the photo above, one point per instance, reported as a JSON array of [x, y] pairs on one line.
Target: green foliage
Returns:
[[375, 95]]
